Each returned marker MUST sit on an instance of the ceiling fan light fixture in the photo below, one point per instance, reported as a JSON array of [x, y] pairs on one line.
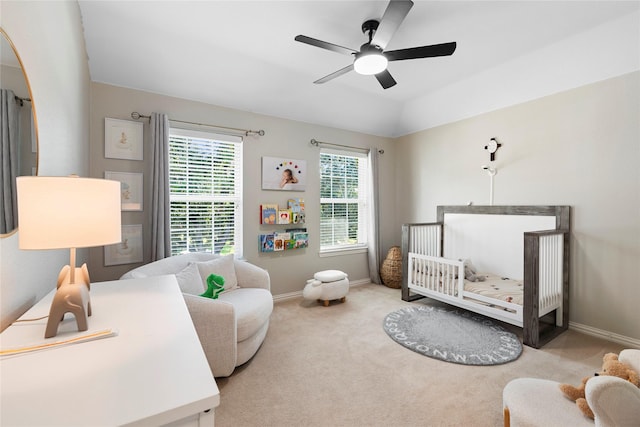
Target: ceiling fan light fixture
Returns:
[[369, 63]]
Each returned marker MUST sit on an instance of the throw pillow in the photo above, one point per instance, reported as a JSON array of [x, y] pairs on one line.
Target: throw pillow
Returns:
[[221, 266], [189, 280]]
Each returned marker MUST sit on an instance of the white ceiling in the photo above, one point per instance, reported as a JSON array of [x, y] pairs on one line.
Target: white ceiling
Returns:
[[242, 54]]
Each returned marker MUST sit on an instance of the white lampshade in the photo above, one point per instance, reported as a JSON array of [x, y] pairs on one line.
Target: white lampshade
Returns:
[[370, 63], [67, 212]]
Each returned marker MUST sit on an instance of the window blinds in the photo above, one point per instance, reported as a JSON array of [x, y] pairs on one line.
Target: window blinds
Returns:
[[342, 199], [205, 177]]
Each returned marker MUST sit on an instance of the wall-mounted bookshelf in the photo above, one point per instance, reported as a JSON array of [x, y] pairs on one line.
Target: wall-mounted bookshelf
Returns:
[[292, 215]]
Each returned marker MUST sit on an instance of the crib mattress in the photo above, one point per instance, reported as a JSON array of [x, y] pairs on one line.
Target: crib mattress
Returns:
[[500, 288]]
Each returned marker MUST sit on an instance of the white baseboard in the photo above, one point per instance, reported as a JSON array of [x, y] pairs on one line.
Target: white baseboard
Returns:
[[298, 294], [628, 342]]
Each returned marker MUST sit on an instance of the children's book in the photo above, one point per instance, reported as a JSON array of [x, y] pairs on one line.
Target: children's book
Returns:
[[266, 242], [284, 216], [269, 214], [302, 240], [278, 243]]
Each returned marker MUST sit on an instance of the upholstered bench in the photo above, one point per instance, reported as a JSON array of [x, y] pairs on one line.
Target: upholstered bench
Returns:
[[326, 286]]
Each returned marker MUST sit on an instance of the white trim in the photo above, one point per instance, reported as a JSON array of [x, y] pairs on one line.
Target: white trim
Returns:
[[199, 134], [342, 251], [298, 294], [628, 342], [343, 152]]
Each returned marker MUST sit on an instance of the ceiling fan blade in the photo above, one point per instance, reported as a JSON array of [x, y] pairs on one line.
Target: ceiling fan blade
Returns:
[[396, 11], [325, 45], [335, 74], [385, 79], [443, 49]]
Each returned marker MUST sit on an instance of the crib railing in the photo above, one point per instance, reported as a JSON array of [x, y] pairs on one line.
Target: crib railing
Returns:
[[423, 239], [440, 275]]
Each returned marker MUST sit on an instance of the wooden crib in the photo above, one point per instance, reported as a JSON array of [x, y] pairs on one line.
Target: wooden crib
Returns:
[[522, 250]]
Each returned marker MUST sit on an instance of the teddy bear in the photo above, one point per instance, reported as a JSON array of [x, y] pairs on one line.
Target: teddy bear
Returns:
[[610, 366], [470, 272]]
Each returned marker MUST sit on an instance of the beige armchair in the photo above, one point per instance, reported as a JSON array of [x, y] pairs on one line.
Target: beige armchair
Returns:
[[232, 327], [537, 402]]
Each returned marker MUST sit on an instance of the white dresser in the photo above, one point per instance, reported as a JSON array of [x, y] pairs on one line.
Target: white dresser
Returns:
[[154, 372]]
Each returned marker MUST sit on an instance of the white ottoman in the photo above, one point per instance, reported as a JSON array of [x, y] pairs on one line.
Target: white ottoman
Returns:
[[327, 286]]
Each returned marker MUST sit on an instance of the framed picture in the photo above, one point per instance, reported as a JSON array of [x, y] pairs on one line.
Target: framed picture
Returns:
[[280, 173], [131, 191], [122, 139], [129, 250]]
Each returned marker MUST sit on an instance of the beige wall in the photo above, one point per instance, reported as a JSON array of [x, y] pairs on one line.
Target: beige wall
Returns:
[[578, 148], [289, 270], [50, 42]]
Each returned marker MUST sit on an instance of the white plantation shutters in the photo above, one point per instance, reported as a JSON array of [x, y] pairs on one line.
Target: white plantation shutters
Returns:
[[343, 200], [205, 177]]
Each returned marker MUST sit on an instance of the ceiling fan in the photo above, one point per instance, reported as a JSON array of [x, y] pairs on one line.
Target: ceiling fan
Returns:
[[372, 59]]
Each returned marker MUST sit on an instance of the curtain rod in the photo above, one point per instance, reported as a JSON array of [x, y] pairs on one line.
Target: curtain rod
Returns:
[[317, 144], [135, 115]]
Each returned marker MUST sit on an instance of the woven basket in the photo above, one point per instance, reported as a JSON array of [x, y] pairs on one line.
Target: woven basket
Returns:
[[391, 270]]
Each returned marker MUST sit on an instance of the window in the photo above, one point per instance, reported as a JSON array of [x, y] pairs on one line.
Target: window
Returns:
[[343, 200], [205, 179]]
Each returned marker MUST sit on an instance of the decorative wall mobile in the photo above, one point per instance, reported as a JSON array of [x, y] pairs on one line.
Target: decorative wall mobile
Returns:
[[492, 147]]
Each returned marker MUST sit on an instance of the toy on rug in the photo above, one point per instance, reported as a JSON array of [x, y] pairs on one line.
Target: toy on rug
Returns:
[[610, 366], [215, 286], [470, 272]]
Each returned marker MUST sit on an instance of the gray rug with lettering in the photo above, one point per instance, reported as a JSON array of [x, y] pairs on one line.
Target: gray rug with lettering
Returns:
[[452, 334]]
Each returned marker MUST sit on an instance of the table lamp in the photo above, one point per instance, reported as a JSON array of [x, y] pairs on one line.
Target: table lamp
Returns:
[[68, 212]]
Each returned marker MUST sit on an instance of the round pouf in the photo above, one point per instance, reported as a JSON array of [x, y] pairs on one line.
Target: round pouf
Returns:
[[327, 286], [391, 270]]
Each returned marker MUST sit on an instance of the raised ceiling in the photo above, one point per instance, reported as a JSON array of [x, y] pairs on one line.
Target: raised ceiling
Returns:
[[242, 54]]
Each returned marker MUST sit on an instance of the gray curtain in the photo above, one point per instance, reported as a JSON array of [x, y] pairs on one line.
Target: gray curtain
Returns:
[[9, 136], [374, 219], [160, 209]]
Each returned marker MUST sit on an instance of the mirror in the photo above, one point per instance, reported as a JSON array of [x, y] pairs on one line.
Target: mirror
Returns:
[[18, 132]]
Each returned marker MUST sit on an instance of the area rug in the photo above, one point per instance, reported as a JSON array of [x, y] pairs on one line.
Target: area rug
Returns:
[[452, 335]]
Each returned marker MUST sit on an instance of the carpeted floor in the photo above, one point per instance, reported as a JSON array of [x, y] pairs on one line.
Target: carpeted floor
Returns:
[[336, 366]]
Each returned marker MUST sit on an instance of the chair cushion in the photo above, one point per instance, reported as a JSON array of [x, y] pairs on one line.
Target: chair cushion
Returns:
[[222, 266], [537, 402], [252, 306], [329, 275], [189, 280]]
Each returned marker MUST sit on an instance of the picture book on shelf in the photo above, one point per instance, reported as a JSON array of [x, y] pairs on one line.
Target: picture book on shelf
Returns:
[[284, 216], [266, 242], [278, 243], [269, 214], [296, 205], [301, 239]]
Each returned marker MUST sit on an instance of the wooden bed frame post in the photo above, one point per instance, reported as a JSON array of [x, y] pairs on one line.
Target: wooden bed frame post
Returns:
[[530, 309]]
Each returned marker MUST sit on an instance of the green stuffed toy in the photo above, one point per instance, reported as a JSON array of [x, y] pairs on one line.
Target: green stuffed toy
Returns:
[[215, 285]]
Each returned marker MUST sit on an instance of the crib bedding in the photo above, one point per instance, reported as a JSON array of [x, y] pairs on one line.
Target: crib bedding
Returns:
[[494, 286], [497, 287]]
